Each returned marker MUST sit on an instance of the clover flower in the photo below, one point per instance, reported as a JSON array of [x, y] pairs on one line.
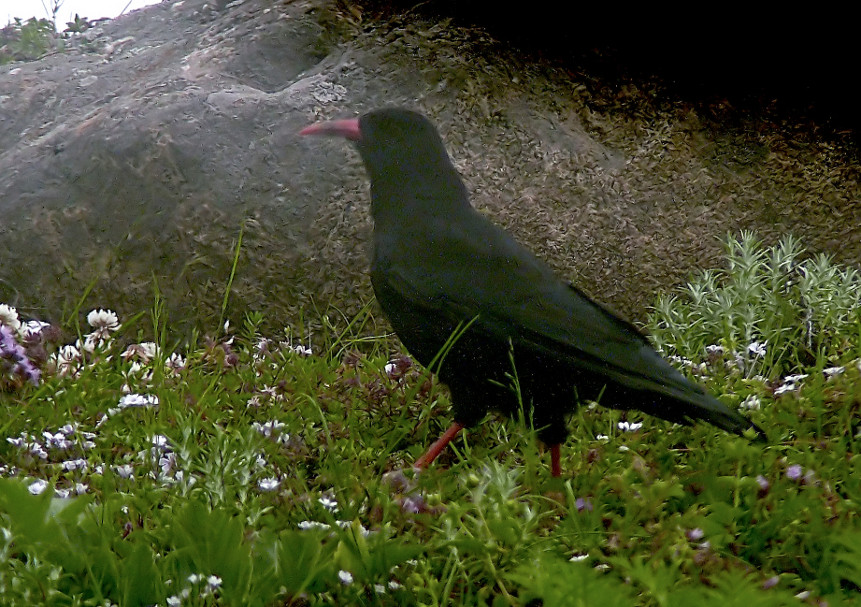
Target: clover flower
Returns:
[[103, 322], [9, 317], [143, 352], [67, 360]]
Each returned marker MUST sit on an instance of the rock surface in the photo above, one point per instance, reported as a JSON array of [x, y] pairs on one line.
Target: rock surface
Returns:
[[130, 162]]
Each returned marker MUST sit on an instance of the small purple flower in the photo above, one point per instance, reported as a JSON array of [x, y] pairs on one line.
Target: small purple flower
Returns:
[[770, 582], [398, 481], [12, 350], [694, 534], [414, 505], [794, 472], [763, 484], [583, 504]]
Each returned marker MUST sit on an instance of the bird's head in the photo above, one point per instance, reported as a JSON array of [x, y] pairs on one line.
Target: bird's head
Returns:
[[402, 153]]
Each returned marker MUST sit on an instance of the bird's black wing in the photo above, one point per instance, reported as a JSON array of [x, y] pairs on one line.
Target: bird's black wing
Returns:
[[466, 267]]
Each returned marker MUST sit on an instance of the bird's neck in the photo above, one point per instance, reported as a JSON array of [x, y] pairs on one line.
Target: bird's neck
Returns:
[[395, 198]]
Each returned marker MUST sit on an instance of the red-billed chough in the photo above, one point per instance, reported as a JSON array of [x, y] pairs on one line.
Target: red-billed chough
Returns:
[[438, 265]]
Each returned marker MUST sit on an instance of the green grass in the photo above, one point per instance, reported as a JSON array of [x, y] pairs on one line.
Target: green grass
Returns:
[[258, 474]]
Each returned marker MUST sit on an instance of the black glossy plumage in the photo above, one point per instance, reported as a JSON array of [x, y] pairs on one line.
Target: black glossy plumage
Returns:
[[438, 262]]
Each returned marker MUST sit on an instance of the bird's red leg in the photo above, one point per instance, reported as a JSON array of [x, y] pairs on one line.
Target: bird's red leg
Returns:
[[555, 466], [435, 449]]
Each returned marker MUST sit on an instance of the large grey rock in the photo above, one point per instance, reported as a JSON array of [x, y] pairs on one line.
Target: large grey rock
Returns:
[[135, 156]]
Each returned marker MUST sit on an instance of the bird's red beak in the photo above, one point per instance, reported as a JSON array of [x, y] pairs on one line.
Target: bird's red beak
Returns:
[[348, 128]]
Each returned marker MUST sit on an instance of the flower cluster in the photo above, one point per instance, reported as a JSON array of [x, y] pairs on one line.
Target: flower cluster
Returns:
[[198, 585], [70, 359], [22, 348]]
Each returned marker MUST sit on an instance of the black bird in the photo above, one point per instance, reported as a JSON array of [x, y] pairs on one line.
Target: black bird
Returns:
[[438, 265]]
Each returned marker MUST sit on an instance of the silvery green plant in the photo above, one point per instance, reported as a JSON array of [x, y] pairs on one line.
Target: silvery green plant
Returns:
[[773, 310]]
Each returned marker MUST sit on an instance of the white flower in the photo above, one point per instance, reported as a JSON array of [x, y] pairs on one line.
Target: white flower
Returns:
[[173, 601], [785, 388], [175, 362], [32, 328], [328, 503], [757, 348], [125, 471], [268, 484], [305, 525], [790, 383], [57, 441], [160, 441], [143, 352], [269, 428], [302, 350], [630, 426], [346, 577], [103, 322], [347, 524], [214, 582], [16, 442], [714, 349], [66, 359], [379, 589], [74, 464], [832, 371], [9, 317], [138, 400], [38, 487], [578, 557], [751, 403], [602, 437], [681, 360], [167, 462]]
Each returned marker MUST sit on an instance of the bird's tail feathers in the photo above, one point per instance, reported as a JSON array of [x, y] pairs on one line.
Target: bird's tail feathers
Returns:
[[692, 406]]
